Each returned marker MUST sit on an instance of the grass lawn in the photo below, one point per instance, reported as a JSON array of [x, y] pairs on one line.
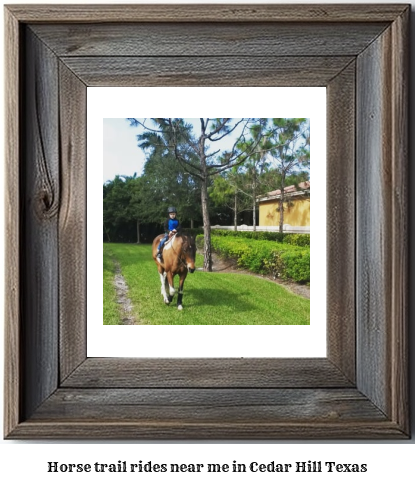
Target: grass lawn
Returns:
[[209, 298], [111, 309]]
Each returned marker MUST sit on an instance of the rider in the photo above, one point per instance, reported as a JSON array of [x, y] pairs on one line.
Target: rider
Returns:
[[171, 227]]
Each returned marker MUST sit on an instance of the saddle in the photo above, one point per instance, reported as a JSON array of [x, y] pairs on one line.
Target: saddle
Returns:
[[169, 241], [166, 245]]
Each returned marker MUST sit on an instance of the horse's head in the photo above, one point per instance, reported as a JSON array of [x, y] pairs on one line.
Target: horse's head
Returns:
[[189, 252]]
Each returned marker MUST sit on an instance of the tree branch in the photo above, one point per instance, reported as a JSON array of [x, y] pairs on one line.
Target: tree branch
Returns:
[[218, 129], [228, 131]]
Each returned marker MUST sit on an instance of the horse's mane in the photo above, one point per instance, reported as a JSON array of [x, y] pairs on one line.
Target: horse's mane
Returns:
[[187, 238]]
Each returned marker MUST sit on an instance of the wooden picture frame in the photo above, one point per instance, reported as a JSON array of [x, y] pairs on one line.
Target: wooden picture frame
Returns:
[[360, 53]]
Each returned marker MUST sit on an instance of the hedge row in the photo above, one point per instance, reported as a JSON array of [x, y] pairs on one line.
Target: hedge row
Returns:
[[293, 239], [261, 256], [302, 240]]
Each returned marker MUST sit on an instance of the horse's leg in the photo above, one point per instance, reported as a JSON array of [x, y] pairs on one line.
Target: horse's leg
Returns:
[[163, 287], [180, 292], [170, 279], [169, 297]]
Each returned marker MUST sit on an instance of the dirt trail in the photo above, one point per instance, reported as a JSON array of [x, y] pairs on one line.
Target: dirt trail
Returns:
[[121, 288]]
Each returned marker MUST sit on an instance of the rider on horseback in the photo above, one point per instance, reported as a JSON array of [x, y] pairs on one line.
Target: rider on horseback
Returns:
[[171, 227]]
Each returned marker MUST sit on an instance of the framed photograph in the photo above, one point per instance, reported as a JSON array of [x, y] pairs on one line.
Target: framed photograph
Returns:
[[238, 308], [359, 389]]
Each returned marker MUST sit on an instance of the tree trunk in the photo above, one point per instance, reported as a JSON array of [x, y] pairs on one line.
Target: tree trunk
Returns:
[[192, 223], [235, 212], [282, 211], [108, 235], [207, 263], [254, 204], [138, 232]]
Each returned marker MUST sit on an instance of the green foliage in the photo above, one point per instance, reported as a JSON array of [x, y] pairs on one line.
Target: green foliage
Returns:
[[165, 183], [199, 241], [221, 190], [302, 240], [257, 235], [121, 208], [291, 264], [261, 256]]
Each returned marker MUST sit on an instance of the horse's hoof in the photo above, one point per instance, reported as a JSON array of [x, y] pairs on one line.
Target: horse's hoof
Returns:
[[167, 302], [179, 307]]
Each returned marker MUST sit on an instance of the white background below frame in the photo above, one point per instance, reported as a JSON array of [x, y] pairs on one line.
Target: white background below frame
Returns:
[[196, 340]]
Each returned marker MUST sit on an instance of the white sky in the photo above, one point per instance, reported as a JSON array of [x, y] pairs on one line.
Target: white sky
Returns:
[[122, 156]]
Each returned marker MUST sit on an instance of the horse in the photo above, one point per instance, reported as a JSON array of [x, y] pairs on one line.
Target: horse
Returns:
[[178, 258]]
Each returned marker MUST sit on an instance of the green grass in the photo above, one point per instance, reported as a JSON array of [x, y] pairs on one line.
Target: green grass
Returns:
[[209, 298], [111, 310]]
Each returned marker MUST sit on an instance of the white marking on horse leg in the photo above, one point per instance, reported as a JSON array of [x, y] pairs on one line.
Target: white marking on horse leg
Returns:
[[180, 307], [172, 290], [163, 287]]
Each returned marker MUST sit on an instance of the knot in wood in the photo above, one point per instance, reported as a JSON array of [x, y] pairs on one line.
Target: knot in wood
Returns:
[[46, 204]]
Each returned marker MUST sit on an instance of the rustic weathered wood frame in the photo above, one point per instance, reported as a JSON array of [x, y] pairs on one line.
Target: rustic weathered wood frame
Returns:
[[359, 52]]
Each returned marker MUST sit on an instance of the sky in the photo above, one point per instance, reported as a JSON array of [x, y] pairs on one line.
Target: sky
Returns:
[[122, 156]]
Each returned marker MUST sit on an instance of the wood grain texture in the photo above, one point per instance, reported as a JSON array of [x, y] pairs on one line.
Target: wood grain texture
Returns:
[[208, 39], [209, 405], [341, 238], [374, 220], [206, 13], [400, 247], [382, 222], [373, 224], [201, 71], [12, 370], [41, 177], [72, 222], [188, 430], [206, 373]]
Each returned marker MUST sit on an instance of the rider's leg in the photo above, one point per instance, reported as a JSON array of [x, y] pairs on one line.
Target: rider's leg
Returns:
[[160, 246]]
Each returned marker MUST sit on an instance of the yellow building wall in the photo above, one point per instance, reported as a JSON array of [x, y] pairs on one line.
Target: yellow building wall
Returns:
[[297, 213]]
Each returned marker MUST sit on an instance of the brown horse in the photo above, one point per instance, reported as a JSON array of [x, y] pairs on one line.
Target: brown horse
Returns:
[[178, 258]]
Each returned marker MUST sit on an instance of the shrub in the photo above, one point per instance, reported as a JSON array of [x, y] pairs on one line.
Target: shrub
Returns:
[[261, 256], [294, 265], [199, 241], [302, 240], [258, 235]]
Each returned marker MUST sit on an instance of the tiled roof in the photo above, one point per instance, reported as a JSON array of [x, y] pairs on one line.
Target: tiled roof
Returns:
[[303, 186]]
